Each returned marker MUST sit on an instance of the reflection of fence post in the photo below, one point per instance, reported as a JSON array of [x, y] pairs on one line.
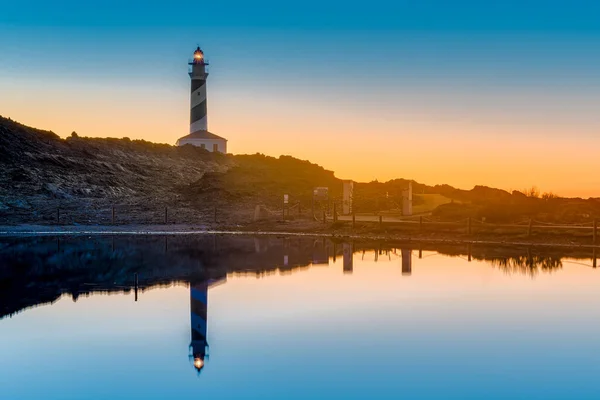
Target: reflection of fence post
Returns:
[[469, 230], [595, 231], [530, 227]]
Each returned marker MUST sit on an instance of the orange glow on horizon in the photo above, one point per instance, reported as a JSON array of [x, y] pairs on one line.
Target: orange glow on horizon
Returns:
[[426, 148]]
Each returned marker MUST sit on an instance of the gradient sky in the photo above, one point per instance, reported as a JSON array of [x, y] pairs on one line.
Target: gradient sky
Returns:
[[462, 92]]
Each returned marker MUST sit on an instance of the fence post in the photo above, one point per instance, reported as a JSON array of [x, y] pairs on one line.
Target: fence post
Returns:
[[166, 215], [324, 216], [595, 230], [353, 219], [113, 215], [530, 227], [334, 211], [469, 230], [421, 223], [380, 221]]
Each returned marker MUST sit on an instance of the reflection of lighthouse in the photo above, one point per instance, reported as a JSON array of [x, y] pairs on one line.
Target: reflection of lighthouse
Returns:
[[198, 308]]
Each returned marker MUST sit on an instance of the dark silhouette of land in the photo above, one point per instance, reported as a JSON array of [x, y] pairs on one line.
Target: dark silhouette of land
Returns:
[[90, 181]]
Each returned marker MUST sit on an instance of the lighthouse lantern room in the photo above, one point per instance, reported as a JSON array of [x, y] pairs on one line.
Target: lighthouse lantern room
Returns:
[[199, 135]]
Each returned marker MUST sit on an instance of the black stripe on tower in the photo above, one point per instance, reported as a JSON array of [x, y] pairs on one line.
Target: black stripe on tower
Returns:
[[196, 83], [199, 308], [198, 112]]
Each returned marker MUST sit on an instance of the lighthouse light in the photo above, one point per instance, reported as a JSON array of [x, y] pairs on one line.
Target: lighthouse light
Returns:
[[198, 363]]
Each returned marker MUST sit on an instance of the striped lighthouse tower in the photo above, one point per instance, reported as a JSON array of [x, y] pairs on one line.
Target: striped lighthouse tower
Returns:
[[198, 75], [199, 135]]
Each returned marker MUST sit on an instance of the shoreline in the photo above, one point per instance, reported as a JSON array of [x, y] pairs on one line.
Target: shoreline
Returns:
[[176, 230]]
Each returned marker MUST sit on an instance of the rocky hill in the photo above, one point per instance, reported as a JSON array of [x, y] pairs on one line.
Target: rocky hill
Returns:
[[79, 180], [45, 179], [41, 172]]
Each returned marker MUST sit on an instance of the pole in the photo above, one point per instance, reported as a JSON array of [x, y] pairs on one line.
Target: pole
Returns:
[[135, 277], [530, 227], [421, 223]]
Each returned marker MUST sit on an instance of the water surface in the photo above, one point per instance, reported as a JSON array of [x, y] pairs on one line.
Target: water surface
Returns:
[[222, 317]]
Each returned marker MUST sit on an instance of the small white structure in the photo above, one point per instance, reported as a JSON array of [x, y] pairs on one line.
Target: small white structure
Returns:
[[347, 197], [199, 135], [205, 140], [407, 201]]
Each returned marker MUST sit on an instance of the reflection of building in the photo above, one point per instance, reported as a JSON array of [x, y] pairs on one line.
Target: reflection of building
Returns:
[[348, 262], [320, 252], [406, 261], [198, 309]]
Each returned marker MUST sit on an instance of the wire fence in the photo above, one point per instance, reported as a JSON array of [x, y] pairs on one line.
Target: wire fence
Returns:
[[210, 214]]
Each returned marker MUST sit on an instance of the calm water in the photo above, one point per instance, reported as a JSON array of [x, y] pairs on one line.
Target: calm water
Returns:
[[274, 318]]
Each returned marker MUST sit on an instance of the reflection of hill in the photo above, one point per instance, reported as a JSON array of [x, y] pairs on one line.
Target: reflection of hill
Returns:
[[34, 271], [40, 270]]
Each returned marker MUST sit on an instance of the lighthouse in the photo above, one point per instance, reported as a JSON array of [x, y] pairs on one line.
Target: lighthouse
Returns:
[[199, 135]]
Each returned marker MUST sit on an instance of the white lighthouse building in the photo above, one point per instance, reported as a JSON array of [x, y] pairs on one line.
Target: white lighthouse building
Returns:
[[199, 135]]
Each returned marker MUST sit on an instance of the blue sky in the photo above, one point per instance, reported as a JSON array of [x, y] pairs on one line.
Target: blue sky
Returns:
[[405, 15]]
